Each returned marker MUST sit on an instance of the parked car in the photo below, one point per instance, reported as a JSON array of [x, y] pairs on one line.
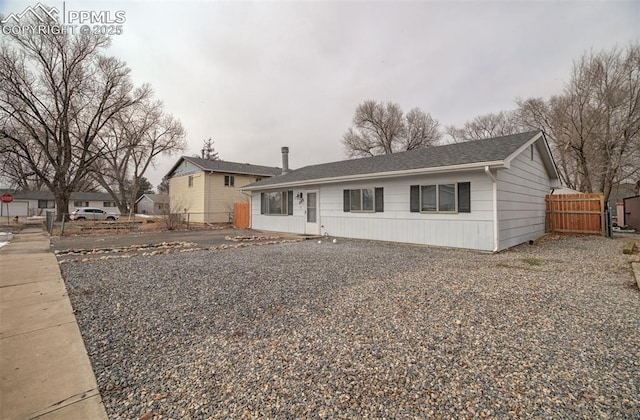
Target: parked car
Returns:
[[91, 213]]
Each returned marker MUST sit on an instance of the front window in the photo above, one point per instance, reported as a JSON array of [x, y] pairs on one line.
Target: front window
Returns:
[[362, 199], [229, 180], [440, 198], [46, 204], [444, 198], [276, 203], [108, 204]]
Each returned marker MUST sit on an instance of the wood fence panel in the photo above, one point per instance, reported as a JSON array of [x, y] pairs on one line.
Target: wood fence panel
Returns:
[[241, 215], [575, 213]]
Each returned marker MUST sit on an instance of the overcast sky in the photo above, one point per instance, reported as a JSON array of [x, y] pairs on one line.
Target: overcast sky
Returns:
[[255, 76]]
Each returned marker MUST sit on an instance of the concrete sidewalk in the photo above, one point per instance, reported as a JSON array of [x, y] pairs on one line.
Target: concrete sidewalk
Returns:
[[44, 368]]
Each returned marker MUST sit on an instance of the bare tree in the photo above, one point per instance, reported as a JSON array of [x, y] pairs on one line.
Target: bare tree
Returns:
[[16, 173], [486, 126], [57, 93], [421, 130], [132, 143], [163, 186], [208, 152], [382, 128], [594, 126]]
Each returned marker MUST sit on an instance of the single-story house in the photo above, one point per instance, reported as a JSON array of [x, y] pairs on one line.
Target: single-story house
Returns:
[[153, 204], [207, 189], [37, 203], [485, 195]]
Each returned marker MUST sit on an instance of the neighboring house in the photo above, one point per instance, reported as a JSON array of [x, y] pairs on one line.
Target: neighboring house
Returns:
[[153, 204], [631, 209], [618, 193], [484, 194], [206, 189], [37, 203]]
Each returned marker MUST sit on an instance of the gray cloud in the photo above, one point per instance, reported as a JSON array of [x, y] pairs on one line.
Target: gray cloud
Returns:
[[255, 76]]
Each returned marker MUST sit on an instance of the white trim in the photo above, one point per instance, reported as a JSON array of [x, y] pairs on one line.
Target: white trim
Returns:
[[498, 164], [508, 159], [494, 181]]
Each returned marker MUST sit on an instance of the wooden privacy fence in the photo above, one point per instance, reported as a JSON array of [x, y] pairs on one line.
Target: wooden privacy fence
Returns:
[[575, 213], [241, 215]]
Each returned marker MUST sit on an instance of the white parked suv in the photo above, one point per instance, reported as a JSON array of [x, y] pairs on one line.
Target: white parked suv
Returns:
[[91, 213]]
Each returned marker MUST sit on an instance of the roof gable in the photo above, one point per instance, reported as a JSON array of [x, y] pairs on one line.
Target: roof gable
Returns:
[[476, 153], [154, 198], [223, 166]]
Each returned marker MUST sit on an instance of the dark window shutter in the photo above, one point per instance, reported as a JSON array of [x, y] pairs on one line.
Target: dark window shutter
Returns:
[[379, 200], [289, 203], [346, 201], [464, 197], [263, 204], [414, 199]]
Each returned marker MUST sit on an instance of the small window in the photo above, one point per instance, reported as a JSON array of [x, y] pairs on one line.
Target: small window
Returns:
[[46, 204], [363, 200], [464, 197], [229, 180], [532, 152], [108, 204], [190, 181]]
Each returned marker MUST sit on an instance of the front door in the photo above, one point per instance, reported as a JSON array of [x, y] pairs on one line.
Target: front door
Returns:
[[312, 226]]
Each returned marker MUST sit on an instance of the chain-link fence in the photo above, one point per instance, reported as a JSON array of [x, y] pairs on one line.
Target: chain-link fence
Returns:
[[105, 223]]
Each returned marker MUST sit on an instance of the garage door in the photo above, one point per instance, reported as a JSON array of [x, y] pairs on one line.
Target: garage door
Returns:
[[16, 208]]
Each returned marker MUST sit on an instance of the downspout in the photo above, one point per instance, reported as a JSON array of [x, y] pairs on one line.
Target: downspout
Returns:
[[495, 207]]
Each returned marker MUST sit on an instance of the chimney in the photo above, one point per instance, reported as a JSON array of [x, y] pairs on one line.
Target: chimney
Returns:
[[285, 160]]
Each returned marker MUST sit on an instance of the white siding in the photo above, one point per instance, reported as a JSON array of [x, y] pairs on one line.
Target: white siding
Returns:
[[397, 224], [521, 193]]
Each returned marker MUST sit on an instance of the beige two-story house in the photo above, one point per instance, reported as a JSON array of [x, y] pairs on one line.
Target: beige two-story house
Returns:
[[206, 189]]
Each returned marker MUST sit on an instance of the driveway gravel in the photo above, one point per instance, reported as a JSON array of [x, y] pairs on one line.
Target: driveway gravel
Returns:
[[364, 329]]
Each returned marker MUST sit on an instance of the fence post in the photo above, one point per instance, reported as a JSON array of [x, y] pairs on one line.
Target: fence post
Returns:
[[603, 217], [550, 212], [50, 219]]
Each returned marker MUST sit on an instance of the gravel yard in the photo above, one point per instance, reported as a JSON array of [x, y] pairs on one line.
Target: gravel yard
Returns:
[[364, 329]]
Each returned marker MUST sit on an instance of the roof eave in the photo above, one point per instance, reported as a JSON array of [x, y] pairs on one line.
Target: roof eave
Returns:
[[211, 171], [391, 174], [174, 167], [545, 152]]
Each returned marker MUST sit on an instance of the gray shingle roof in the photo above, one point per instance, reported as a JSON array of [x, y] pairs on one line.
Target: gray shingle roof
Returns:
[[46, 195], [229, 167], [487, 150]]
